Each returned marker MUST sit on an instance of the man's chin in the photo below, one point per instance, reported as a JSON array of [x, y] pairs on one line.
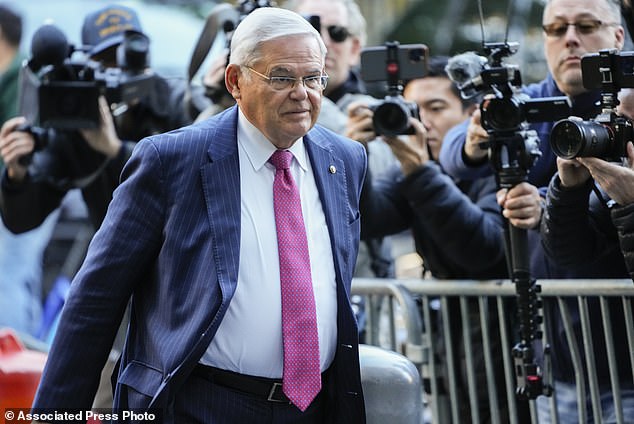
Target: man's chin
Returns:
[[570, 77]]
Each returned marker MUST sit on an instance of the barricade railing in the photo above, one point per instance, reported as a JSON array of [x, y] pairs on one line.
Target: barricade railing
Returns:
[[460, 335]]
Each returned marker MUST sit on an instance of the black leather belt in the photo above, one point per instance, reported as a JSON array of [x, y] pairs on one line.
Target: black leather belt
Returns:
[[265, 388]]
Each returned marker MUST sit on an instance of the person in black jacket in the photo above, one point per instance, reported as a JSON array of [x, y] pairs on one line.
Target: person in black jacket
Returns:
[[89, 159], [456, 225], [588, 223], [86, 159], [444, 213]]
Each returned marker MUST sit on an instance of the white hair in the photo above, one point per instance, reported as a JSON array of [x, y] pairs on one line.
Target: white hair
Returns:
[[266, 24]]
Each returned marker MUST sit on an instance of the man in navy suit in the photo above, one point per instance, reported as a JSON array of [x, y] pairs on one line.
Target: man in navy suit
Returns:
[[190, 238]]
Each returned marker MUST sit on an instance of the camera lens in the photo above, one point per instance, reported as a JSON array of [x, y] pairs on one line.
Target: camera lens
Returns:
[[133, 52], [501, 114], [391, 118], [571, 138]]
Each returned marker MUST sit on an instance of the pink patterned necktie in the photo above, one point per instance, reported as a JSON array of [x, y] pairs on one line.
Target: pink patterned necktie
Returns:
[[301, 379]]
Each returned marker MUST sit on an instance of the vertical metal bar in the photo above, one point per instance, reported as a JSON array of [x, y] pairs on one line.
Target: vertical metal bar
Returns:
[[433, 378], [392, 314], [372, 320], [554, 417], [613, 366], [450, 359], [468, 348], [508, 364], [488, 361], [629, 325], [576, 361], [588, 345]]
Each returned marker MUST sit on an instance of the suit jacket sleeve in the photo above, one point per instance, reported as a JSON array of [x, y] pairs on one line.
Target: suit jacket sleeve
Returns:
[[118, 256]]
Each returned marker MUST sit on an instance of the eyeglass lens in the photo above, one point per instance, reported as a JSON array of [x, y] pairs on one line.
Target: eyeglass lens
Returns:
[[338, 33], [558, 29]]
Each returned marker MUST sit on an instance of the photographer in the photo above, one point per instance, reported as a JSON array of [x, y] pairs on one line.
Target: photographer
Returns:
[[571, 29], [582, 228], [21, 255], [90, 159], [343, 29], [456, 225], [419, 193]]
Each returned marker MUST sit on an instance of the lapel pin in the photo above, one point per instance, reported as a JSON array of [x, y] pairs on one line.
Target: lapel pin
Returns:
[[332, 169]]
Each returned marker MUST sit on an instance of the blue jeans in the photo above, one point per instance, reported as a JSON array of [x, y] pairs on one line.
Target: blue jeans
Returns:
[[567, 405], [21, 260]]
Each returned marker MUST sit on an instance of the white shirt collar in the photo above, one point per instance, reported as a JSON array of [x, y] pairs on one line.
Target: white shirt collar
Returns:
[[259, 149]]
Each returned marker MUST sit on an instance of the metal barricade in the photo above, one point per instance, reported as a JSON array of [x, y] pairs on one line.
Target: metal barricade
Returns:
[[451, 330]]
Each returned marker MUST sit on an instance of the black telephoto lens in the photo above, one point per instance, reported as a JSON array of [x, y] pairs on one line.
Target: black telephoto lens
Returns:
[[571, 138], [390, 118]]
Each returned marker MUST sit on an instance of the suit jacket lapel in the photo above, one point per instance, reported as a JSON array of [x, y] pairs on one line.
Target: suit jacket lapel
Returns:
[[221, 186], [330, 178]]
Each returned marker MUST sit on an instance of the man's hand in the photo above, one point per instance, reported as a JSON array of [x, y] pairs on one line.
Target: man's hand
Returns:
[[411, 151], [522, 205], [359, 126], [476, 134], [615, 179], [572, 173], [103, 139], [14, 145]]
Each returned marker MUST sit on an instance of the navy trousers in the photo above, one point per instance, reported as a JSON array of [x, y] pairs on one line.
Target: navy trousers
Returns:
[[203, 401]]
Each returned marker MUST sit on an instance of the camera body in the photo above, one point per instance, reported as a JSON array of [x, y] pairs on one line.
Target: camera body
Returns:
[[65, 95], [394, 63], [505, 112], [605, 136]]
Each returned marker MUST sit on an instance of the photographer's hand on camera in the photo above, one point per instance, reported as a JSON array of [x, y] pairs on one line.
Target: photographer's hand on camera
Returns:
[[522, 205], [476, 135], [411, 151], [14, 146], [615, 179], [104, 139], [359, 125], [572, 173]]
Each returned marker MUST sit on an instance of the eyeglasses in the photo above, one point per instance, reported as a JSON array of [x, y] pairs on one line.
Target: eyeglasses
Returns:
[[315, 82], [584, 27], [338, 33]]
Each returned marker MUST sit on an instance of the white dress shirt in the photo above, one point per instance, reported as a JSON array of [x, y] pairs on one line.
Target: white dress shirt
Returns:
[[249, 339]]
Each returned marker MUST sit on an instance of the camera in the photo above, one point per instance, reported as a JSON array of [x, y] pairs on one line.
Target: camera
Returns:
[[60, 85], [505, 111], [508, 113], [394, 63], [607, 135]]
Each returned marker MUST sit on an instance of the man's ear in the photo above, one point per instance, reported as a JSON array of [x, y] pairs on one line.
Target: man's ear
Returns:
[[232, 75]]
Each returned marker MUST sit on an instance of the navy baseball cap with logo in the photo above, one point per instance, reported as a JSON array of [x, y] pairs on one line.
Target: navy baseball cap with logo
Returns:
[[105, 27]]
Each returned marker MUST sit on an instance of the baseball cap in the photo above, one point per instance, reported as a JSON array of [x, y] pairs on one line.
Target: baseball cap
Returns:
[[105, 27]]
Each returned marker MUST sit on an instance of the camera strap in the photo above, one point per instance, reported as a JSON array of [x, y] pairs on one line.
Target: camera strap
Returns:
[[216, 21]]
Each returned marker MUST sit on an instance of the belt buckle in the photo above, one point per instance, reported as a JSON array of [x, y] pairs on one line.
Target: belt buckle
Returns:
[[273, 392]]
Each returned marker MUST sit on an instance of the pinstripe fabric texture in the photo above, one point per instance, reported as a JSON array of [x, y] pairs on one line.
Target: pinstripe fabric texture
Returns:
[[170, 241]]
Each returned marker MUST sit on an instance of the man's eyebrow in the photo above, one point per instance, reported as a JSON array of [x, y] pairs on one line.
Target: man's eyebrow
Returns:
[[280, 69], [288, 71]]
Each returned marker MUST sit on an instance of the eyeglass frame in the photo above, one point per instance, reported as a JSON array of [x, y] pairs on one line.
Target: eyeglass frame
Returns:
[[322, 77], [599, 24]]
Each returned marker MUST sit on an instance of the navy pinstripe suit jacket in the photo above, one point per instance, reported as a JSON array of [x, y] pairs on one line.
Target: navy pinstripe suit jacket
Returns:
[[170, 241]]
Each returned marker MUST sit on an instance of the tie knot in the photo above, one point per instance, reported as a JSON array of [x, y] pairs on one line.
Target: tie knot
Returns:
[[281, 159]]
